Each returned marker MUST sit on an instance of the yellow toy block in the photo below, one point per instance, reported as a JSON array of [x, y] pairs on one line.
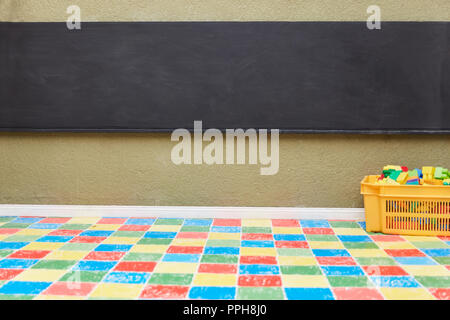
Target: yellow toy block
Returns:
[[428, 173], [402, 178]]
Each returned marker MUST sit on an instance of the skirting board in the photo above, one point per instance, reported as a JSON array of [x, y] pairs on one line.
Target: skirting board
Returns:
[[182, 212]]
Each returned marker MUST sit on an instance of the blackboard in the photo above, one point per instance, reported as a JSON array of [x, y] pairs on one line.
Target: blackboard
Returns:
[[159, 76]]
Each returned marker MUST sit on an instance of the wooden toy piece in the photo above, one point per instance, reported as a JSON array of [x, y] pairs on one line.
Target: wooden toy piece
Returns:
[[428, 173], [438, 173], [446, 182], [404, 169], [413, 181], [419, 173], [413, 173], [394, 175], [402, 177]]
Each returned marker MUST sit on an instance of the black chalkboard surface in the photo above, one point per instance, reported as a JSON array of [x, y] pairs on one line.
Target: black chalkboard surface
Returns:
[[158, 76]]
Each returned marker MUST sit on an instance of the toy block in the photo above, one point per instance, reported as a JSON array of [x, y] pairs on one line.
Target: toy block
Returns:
[[402, 177], [404, 169], [394, 175], [438, 173]]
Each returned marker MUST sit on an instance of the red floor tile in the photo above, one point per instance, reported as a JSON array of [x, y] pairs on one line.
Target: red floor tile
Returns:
[[8, 274], [184, 249], [54, 220], [385, 271], [164, 292], [259, 281], [104, 255], [258, 260], [8, 230], [227, 222], [387, 238], [357, 294], [285, 223], [144, 266], [441, 293], [111, 221], [318, 231], [62, 232], [29, 254], [134, 227], [257, 236], [404, 253], [291, 244], [217, 268], [448, 267], [70, 288], [192, 235], [87, 239], [336, 261]]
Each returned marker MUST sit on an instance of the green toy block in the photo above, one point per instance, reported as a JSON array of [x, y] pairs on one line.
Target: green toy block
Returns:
[[394, 175], [438, 173]]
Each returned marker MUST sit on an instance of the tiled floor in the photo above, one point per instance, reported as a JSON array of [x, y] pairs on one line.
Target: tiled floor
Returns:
[[113, 258]]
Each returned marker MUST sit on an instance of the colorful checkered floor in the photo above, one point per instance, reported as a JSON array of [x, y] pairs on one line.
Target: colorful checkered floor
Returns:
[[147, 258]]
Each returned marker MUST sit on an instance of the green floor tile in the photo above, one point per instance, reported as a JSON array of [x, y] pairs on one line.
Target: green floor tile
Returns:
[[4, 253], [429, 244], [169, 222], [154, 241], [141, 256], [15, 225], [321, 237], [22, 238], [256, 230], [131, 234], [195, 229], [442, 260], [171, 278], [79, 247], [260, 293], [434, 282], [223, 243], [6, 219], [344, 224], [304, 270], [74, 226], [294, 252], [83, 276], [16, 297], [360, 245], [219, 258], [349, 281], [54, 264], [377, 261]]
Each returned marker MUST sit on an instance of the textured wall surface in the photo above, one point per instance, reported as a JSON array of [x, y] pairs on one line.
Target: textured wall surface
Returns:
[[135, 169]]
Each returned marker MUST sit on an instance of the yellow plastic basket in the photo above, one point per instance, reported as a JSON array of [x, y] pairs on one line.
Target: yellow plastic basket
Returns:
[[406, 209]]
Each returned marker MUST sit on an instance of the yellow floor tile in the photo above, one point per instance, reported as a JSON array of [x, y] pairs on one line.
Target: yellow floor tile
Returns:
[[224, 236], [120, 240], [256, 222], [349, 231], [164, 228], [43, 246], [326, 245], [437, 270], [152, 248], [176, 267], [296, 261], [368, 253], [84, 220], [395, 245], [258, 251], [300, 281], [117, 290], [188, 242], [215, 279], [106, 227], [66, 255], [34, 232], [406, 294], [287, 230], [421, 238], [52, 297], [40, 275], [3, 236]]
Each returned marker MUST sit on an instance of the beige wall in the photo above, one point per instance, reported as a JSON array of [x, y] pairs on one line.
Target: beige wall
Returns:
[[135, 169]]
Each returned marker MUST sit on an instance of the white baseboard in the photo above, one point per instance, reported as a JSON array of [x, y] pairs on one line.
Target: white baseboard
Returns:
[[182, 212]]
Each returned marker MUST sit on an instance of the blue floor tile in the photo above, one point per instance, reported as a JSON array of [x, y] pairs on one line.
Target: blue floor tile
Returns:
[[226, 293], [330, 253], [160, 235], [181, 257], [127, 277], [415, 261], [309, 294], [314, 224], [257, 244], [17, 263], [354, 238], [85, 265], [342, 270], [24, 287], [198, 222], [444, 252], [26, 220], [45, 226], [96, 233], [141, 222], [12, 245], [221, 250], [114, 247], [395, 281], [226, 229], [54, 239], [258, 269], [289, 237]]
